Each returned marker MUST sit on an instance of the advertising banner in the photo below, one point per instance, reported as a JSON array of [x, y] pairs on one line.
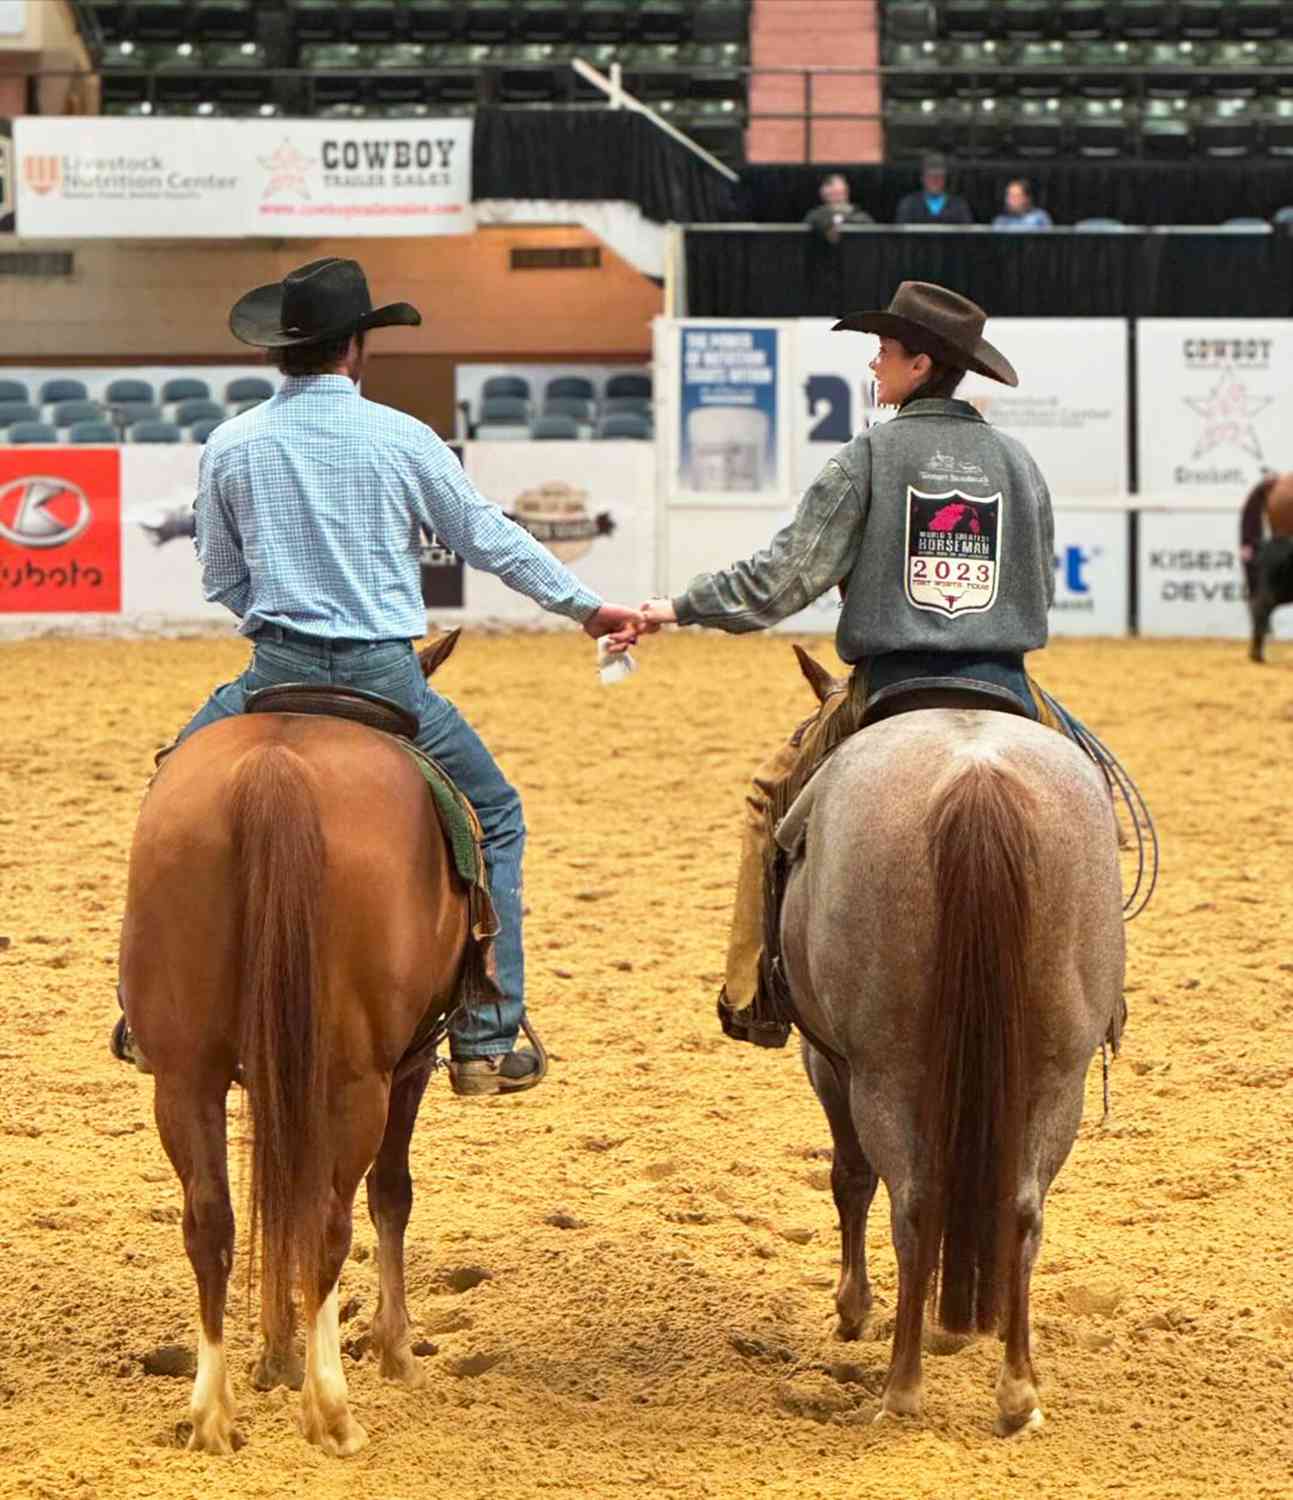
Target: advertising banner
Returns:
[[591, 504], [1069, 409], [6, 178], [162, 578], [1214, 405], [729, 445], [1191, 578], [121, 178], [60, 531], [1092, 573]]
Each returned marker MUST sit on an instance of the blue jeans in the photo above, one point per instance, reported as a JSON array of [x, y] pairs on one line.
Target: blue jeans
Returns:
[[391, 669]]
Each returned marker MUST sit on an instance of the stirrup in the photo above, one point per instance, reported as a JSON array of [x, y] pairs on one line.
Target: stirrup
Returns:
[[743, 1026]]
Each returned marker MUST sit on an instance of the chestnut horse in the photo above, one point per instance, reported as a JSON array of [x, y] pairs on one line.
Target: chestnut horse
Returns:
[[293, 912], [952, 937]]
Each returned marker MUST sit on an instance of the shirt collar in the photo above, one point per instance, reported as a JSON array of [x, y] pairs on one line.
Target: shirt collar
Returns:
[[328, 385], [936, 202], [934, 406]]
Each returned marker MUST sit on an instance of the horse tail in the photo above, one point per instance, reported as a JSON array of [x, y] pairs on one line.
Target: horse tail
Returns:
[[984, 855], [278, 852]]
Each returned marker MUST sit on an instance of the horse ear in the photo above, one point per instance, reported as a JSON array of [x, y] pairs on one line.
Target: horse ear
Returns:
[[819, 679], [431, 658]]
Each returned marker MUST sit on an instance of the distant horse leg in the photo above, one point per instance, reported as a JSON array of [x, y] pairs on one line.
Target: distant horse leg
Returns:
[[390, 1199], [902, 1391], [191, 1123], [1260, 606], [358, 1121], [1017, 1386], [853, 1183]]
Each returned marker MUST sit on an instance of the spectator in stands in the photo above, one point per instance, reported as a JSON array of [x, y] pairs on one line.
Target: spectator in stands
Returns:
[[835, 209], [1021, 212], [933, 204]]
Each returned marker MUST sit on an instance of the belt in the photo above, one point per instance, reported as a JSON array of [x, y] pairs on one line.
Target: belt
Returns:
[[281, 633]]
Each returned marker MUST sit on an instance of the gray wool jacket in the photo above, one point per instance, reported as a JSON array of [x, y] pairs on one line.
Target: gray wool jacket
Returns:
[[938, 528]]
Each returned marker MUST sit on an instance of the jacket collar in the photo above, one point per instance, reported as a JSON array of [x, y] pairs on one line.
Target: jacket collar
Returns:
[[933, 406]]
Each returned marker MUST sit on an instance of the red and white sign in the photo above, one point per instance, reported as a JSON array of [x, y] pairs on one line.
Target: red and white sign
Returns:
[[60, 531]]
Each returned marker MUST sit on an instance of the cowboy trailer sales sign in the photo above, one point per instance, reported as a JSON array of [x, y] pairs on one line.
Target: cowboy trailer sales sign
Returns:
[[84, 177]]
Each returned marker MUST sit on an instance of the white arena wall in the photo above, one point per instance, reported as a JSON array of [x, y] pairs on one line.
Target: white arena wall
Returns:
[[745, 416]]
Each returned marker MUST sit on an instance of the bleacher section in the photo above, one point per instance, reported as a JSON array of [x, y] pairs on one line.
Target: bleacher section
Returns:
[[108, 407], [512, 407], [358, 59], [1024, 78]]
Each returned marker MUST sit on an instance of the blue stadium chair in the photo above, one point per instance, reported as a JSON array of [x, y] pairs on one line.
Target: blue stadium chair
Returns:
[[59, 389], [629, 385], [185, 388], [14, 390], [201, 431], [553, 429], [505, 385], [92, 432], [29, 432], [155, 432], [624, 424], [615, 406], [503, 417], [250, 405], [126, 389], [69, 413], [248, 388], [581, 408], [198, 410], [17, 411], [569, 385], [127, 413]]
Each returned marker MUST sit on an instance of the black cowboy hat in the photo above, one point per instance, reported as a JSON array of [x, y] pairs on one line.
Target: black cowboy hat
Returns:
[[929, 319], [327, 299]]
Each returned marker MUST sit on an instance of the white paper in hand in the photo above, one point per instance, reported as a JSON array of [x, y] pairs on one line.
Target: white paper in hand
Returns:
[[611, 668]]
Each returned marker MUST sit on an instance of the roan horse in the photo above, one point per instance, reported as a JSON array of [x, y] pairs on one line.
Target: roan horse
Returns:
[[952, 936], [292, 912]]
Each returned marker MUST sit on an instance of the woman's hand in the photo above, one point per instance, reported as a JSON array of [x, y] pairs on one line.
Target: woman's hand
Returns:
[[655, 613]]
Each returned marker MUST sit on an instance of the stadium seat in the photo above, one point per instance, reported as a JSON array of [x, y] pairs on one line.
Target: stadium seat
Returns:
[[1145, 18], [923, 69], [127, 413], [109, 16], [125, 54], [577, 408], [160, 20], [1037, 127], [1104, 69], [224, 21], [624, 424], [1165, 129], [185, 388], [179, 78], [154, 432], [544, 21], [529, 74], [968, 20], [1229, 59], [1278, 127], [663, 20], [1226, 128], [1083, 20], [629, 385], [503, 417], [1027, 19], [1101, 128], [601, 21], [17, 411], [715, 69], [30, 432], [317, 20], [373, 21], [1257, 20], [431, 20], [553, 429], [249, 405], [1042, 62], [60, 388], [569, 385], [69, 413], [515, 386], [129, 389], [486, 20], [248, 388], [391, 80], [914, 21], [12, 391], [92, 432], [616, 406], [972, 70], [198, 409], [720, 21], [201, 431], [1200, 19], [912, 127]]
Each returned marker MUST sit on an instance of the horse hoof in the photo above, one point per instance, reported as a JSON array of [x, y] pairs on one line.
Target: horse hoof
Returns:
[[271, 1372], [1020, 1426], [404, 1370]]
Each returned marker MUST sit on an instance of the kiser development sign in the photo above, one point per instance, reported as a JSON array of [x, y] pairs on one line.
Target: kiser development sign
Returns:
[[175, 178]]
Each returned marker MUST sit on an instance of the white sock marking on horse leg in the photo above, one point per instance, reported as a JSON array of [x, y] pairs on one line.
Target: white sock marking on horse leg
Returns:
[[212, 1403], [324, 1399]]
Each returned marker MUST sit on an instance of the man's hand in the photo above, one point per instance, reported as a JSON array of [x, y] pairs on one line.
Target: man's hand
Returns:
[[620, 625], [657, 612]]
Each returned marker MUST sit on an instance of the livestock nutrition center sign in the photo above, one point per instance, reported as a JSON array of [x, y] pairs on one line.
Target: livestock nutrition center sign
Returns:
[[174, 178]]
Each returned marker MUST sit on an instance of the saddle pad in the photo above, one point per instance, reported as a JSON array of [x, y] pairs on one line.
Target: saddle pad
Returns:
[[457, 816]]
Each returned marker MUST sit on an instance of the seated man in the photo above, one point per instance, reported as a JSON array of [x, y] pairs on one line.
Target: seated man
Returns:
[[933, 204], [938, 531], [1021, 213], [835, 210], [310, 514]]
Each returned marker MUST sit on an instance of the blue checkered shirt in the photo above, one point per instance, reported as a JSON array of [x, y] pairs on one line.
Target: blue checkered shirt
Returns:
[[311, 510]]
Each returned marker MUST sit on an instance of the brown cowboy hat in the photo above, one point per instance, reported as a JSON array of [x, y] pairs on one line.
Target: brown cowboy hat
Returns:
[[929, 319], [324, 300]]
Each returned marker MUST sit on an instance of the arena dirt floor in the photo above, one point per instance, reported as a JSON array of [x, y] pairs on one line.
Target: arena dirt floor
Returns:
[[651, 1236]]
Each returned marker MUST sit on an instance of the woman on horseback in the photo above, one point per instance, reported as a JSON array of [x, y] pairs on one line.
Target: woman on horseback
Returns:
[[936, 529]]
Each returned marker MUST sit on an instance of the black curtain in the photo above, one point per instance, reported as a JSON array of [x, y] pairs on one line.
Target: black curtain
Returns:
[[1137, 192], [734, 273], [589, 154]]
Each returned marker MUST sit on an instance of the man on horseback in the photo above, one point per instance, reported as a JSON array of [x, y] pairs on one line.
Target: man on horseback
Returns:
[[310, 512], [937, 529]]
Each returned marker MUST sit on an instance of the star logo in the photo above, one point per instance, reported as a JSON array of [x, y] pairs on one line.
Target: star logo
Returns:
[[287, 168], [1228, 411]]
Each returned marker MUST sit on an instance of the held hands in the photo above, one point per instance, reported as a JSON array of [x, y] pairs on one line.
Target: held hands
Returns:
[[619, 625], [655, 613]]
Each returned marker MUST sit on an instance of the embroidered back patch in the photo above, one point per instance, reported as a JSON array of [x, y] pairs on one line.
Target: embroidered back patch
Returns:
[[953, 548]]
